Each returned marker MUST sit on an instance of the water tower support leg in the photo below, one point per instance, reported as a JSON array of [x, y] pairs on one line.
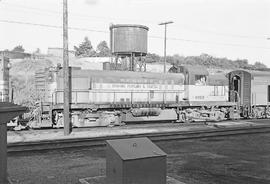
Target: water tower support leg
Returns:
[[132, 62], [116, 62]]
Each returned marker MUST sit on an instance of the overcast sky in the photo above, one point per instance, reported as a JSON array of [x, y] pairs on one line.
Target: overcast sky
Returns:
[[222, 28]]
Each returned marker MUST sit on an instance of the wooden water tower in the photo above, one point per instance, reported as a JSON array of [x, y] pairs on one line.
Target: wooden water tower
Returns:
[[128, 43]]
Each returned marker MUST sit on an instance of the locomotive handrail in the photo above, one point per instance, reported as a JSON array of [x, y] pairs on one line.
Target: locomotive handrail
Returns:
[[238, 100], [117, 90], [109, 90]]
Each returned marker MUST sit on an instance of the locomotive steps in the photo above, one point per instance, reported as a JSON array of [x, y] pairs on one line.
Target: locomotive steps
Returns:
[[54, 139]]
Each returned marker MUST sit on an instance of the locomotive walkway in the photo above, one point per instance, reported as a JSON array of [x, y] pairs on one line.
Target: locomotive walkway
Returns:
[[54, 138]]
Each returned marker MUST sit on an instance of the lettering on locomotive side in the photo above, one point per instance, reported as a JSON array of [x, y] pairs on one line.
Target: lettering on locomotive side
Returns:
[[199, 97], [152, 86], [118, 86], [136, 86]]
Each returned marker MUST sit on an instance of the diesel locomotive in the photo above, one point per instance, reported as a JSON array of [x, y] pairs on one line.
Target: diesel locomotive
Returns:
[[102, 98]]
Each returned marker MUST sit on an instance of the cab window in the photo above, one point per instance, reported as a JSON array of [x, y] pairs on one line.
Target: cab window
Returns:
[[200, 80]]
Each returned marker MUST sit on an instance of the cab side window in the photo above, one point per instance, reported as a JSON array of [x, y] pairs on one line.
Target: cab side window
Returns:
[[200, 80]]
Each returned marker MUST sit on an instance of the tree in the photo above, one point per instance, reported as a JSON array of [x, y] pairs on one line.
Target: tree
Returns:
[[152, 58], [207, 60], [241, 63], [178, 60], [18, 48], [37, 51], [103, 49], [259, 65], [85, 49]]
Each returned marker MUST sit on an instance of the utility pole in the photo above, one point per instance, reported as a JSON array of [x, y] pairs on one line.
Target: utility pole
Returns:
[[67, 126], [165, 38]]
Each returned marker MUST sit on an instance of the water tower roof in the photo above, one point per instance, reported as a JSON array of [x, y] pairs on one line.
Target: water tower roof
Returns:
[[128, 25]]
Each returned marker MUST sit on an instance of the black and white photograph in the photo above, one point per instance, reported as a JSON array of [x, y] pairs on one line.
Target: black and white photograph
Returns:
[[134, 91]]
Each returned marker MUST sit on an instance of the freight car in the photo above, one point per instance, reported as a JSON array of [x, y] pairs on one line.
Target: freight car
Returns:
[[101, 98]]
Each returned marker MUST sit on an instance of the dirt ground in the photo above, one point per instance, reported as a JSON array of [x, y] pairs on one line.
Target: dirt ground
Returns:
[[240, 159]]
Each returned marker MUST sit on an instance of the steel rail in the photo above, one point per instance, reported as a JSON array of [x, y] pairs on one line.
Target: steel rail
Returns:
[[164, 136]]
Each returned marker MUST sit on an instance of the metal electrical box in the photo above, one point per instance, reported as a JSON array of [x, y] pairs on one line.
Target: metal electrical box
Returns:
[[135, 161]]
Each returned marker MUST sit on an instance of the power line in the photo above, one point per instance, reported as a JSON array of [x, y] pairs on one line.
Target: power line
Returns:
[[218, 43], [184, 26], [51, 26], [150, 36], [22, 11], [31, 8], [28, 23], [220, 33], [207, 42], [79, 15]]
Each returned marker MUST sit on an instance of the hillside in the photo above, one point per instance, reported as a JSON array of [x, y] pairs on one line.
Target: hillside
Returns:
[[27, 67], [23, 70], [22, 79]]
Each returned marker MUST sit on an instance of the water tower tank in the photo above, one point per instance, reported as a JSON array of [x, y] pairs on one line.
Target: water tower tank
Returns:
[[128, 39]]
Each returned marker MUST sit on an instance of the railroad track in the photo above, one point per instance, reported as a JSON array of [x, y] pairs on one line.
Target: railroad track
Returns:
[[164, 136], [141, 125]]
